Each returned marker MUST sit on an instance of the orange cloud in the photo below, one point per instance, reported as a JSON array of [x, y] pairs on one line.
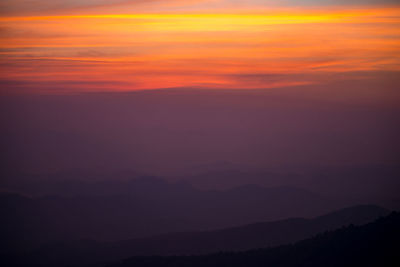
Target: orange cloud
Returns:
[[148, 51]]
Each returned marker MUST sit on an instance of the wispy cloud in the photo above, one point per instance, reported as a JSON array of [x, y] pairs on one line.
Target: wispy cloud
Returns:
[[51, 7], [46, 7], [227, 50]]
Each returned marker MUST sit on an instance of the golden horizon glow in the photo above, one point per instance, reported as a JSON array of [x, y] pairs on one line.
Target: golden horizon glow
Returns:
[[285, 15], [150, 51]]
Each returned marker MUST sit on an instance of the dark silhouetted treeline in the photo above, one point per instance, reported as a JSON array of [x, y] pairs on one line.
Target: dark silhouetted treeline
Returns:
[[374, 244]]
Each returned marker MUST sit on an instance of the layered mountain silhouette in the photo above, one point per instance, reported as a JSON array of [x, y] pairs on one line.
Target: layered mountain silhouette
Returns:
[[252, 236], [148, 206], [371, 245], [380, 184]]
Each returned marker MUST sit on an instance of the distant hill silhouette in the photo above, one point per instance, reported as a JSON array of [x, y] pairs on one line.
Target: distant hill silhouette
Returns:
[[147, 206], [341, 182], [258, 235], [371, 245]]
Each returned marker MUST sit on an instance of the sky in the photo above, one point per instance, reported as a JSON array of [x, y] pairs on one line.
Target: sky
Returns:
[[58, 47], [175, 88]]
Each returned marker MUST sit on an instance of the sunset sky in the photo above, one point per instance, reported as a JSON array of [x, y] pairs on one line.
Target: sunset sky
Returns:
[[96, 45]]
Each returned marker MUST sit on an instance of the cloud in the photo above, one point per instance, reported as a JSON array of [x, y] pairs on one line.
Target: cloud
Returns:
[[12, 7], [341, 2], [27, 7], [267, 4], [49, 7], [311, 2]]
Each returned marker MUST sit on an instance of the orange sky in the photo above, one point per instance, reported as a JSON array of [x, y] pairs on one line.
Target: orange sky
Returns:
[[251, 49]]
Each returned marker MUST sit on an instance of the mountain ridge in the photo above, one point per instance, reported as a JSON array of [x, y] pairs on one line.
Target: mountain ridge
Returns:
[[370, 245], [252, 236]]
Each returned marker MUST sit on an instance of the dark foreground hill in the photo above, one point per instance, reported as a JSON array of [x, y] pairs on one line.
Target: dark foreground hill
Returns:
[[252, 236], [374, 244]]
